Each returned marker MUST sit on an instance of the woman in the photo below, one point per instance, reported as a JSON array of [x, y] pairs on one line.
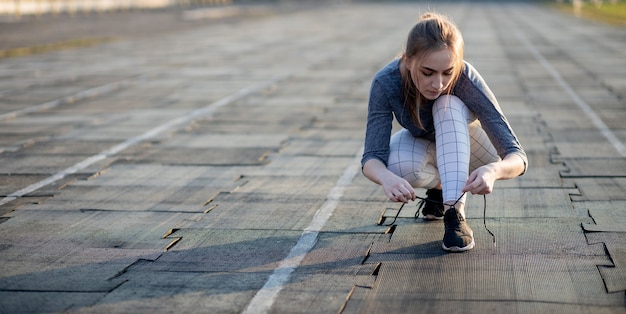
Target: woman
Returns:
[[454, 136]]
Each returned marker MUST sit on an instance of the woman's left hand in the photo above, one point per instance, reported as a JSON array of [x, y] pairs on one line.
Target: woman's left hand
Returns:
[[481, 181]]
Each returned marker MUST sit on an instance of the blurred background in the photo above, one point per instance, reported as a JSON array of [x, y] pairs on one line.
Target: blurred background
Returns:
[[610, 10], [37, 26], [37, 7]]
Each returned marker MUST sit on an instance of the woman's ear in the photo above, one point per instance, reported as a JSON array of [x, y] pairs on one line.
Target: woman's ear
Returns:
[[406, 62]]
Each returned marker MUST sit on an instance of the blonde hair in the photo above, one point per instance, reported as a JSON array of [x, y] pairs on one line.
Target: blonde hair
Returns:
[[432, 32]]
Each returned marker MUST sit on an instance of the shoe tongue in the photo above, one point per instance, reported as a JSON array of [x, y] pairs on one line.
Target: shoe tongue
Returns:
[[452, 211]]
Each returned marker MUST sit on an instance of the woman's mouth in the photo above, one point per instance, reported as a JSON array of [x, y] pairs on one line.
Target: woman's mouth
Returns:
[[432, 94]]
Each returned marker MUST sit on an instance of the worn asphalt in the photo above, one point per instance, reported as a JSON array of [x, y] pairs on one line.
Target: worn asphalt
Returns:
[[191, 161]]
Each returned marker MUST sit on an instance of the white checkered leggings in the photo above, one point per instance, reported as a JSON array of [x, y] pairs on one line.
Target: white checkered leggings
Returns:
[[461, 145]]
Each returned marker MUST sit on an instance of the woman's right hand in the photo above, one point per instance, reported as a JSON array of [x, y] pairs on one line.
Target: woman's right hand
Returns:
[[396, 188]]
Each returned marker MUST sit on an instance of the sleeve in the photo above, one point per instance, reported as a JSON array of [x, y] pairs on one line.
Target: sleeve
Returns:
[[379, 124], [472, 89]]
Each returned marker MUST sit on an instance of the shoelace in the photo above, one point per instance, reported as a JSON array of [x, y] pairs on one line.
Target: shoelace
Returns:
[[424, 200], [420, 206]]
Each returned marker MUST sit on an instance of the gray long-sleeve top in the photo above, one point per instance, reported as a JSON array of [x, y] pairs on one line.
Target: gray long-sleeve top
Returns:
[[387, 100]]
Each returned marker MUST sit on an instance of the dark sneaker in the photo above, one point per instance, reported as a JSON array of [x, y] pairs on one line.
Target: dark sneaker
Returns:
[[432, 206], [458, 236]]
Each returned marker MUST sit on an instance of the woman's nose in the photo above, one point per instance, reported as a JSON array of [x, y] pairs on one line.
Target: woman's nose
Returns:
[[438, 82]]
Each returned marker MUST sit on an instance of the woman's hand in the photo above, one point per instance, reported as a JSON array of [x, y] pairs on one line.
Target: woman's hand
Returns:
[[397, 189], [482, 180]]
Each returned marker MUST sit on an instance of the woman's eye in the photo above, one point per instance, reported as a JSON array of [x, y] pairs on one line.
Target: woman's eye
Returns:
[[427, 73], [447, 73]]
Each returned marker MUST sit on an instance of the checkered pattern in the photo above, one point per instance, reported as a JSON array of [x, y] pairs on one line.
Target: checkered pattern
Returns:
[[460, 146]]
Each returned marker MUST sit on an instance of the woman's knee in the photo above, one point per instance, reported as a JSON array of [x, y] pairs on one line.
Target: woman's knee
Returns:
[[448, 101], [453, 106]]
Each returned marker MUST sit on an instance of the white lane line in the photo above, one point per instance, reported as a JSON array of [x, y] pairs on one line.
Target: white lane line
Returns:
[[603, 128], [205, 111], [264, 298], [92, 92]]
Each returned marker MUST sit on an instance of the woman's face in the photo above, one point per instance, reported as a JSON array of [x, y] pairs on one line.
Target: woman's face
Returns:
[[433, 74]]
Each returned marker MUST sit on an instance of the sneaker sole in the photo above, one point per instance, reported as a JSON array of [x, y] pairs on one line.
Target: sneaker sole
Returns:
[[456, 249]]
